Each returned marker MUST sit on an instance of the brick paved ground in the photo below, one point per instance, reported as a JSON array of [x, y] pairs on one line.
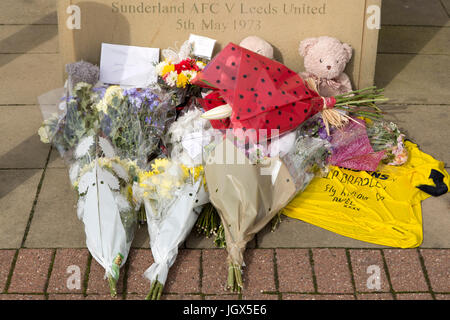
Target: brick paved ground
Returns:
[[41, 239], [200, 274]]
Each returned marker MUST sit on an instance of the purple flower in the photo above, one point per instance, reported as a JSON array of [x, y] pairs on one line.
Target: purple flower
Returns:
[[323, 133]]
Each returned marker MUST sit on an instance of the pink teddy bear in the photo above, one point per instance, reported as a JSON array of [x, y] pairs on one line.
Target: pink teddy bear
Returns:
[[325, 59]]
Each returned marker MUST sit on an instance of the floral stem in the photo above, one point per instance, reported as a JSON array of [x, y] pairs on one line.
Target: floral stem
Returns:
[[156, 290], [112, 286], [234, 282]]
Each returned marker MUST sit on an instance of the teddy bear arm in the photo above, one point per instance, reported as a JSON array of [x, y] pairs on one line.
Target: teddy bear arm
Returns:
[[344, 81]]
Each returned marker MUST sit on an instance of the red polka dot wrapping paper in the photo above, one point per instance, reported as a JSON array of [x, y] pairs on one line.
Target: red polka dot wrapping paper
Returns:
[[263, 93]]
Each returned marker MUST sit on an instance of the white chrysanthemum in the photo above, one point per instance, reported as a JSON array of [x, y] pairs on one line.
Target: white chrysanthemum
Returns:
[[172, 78], [160, 66], [190, 74]]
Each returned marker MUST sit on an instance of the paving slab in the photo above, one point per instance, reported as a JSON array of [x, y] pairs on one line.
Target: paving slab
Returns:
[[29, 39], [414, 79], [436, 222], [426, 125], [31, 271], [405, 270], [55, 223], [294, 233], [414, 12], [28, 12], [27, 76], [199, 241], [17, 193], [410, 39], [55, 160], [20, 146], [437, 264]]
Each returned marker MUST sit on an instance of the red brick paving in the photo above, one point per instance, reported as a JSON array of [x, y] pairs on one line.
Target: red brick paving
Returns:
[[69, 263], [22, 297], [296, 296], [375, 296], [405, 270], [414, 296], [222, 297], [31, 271], [65, 297], [437, 264], [6, 258], [258, 274], [183, 275], [270, 274], [365, 265], [139, 260], [294, 270], [332, 271], [97, 284], [215, 271]]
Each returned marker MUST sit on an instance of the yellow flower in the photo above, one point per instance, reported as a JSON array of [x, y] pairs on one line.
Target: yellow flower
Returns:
[[195, 172], [182, 80], [160, 165], [167, 68]]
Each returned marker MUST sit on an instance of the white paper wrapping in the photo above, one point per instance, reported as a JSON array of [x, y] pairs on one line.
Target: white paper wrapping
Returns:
[[170, 230]]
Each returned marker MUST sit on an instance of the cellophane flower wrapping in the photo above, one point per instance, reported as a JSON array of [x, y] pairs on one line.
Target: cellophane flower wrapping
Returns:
[[105, 135], [173, 192], [170, 192], [248, 194]]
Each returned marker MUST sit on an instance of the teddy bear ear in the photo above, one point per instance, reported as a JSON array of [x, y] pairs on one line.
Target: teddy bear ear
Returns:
[[305, 45], [348, 50]]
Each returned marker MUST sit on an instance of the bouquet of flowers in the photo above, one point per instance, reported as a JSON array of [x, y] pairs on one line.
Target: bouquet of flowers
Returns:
[[106, 135], [386, 136], [173, 193], [176, 72], [248, 195]]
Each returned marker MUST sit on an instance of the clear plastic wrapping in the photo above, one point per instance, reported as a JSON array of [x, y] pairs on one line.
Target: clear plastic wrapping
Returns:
[[106, 136]]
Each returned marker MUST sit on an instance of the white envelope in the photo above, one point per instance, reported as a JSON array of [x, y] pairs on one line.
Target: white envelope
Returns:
[[128, 65], [203, 46]]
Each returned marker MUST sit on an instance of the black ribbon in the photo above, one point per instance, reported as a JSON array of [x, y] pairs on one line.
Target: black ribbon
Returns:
[[440, 187]]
